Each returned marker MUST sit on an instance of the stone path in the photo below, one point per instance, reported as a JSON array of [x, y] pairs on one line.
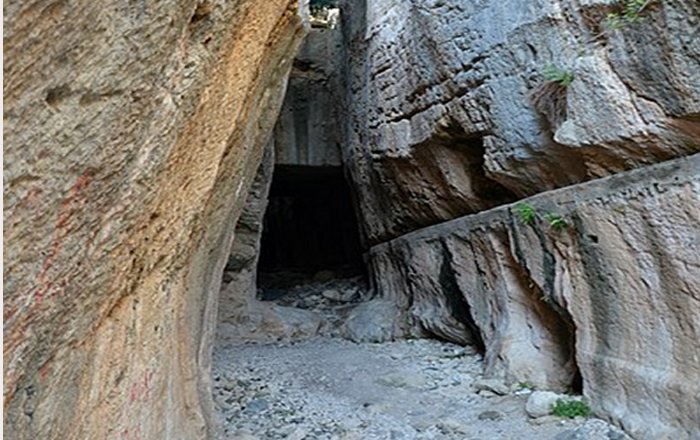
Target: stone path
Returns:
[[335, 389]]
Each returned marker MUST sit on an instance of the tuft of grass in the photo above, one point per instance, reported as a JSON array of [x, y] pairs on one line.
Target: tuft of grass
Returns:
[[630, 11], [525, 385], [570, 409], [554, 74], [556, 221], [526, 212]]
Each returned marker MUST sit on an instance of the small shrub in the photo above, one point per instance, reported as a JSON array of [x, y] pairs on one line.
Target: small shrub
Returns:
[[556, 221], [570, 409], [562, 77], [526, 212], [630, 12]]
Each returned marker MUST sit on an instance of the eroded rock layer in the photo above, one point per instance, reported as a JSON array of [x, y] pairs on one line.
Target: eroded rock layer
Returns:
[[449, 110], [605, 276], [132, 132]]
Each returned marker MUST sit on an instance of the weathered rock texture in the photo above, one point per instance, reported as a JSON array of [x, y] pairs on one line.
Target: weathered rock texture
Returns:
[[241, 317], [307, 132], [132, 132], [448, 112], [624, 273]]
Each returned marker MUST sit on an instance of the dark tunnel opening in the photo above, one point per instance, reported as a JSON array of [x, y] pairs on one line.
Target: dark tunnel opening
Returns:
[[310, 225]]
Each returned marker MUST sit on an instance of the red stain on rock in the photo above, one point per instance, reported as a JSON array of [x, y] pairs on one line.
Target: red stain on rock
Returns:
[[70, 205], [140, 391], [44, 370], [131, 434]]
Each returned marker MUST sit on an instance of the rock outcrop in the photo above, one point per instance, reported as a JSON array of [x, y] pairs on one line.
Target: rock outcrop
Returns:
[[448, 111], [605, 277], [454, 108], [132, 132]]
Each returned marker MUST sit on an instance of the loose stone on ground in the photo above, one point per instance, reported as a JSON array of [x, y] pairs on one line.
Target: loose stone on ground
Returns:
[[336, 389]]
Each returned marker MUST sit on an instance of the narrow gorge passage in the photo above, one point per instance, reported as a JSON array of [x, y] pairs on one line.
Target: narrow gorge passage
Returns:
[[351, 219], [310, 255], [316, 340]]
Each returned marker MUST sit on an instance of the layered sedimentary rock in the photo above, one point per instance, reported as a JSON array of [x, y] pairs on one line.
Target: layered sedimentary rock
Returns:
[[132, 132], [605, 276], [448, 111]]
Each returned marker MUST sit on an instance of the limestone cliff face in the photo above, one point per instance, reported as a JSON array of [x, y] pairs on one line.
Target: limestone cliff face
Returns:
[[614, 291], [448, 111], [132, 132]]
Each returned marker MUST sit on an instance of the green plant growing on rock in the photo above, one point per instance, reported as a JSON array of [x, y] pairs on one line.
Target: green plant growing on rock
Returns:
[[630, 12], [570, 409], [526, 212], [557, 75], [556, 221], [525, 386]]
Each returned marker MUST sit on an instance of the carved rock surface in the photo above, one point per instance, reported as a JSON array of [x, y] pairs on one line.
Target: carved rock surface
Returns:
[[448, 112], [132, 132], [616, 289], [307, 131], [241, 316]]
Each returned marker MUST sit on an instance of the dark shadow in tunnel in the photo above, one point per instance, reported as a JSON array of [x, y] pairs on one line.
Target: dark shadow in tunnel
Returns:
[[310, 225]]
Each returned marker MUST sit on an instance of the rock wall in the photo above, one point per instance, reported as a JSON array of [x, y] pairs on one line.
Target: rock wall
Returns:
[[132, 132], [241, 316], [307, 132], [448, 111], [614, 290], [450, 114]]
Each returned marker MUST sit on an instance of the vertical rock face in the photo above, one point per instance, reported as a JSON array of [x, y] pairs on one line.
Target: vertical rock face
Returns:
[[448, 112], [623, 273], [132, 132], [307, 132]]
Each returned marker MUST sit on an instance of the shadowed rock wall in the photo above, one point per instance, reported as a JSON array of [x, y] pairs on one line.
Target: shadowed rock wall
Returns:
[[616, 291], [307, 131], [132, 132]]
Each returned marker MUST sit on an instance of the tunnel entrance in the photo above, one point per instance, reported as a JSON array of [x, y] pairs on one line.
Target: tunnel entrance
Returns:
[[309, 227]]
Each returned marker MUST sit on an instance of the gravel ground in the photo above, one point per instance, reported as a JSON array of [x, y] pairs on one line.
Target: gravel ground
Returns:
[[329, 388]]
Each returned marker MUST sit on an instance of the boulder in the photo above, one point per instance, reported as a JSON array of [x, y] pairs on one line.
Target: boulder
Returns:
[[372, 321], [540, 403]]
